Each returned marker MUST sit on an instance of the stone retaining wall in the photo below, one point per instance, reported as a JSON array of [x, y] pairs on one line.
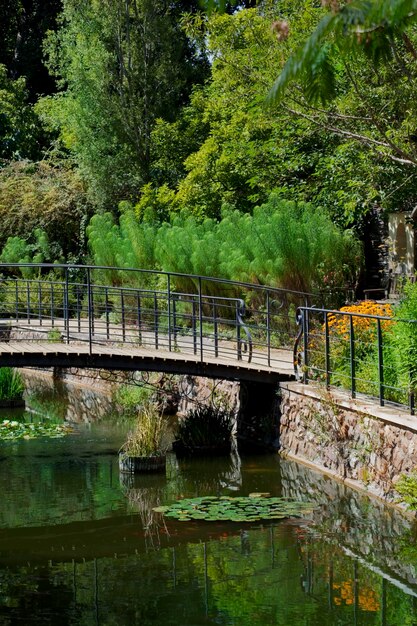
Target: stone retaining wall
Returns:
[[354, 446]]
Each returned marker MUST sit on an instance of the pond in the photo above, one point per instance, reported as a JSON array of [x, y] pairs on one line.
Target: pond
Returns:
[[80, 545]]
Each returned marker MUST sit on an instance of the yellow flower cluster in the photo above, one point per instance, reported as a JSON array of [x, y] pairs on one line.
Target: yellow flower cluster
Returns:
[[362, 326], [367, 597]]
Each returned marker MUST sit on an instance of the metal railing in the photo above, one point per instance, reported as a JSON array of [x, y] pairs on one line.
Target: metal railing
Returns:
[[356, 352], [201, 315]]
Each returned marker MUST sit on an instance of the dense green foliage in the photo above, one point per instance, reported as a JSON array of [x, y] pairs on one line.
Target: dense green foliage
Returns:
[[11, 384], [405, 339], [354, 77], [20, 132], [205, 426], [121, 65], [45, 196], [407, 488], [283, 244], [158, 113]]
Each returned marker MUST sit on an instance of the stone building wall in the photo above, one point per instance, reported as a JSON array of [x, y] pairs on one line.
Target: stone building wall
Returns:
[[361, 449]]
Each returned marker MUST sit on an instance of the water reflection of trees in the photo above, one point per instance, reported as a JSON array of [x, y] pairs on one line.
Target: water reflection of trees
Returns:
[[207, 476], [271, 575]]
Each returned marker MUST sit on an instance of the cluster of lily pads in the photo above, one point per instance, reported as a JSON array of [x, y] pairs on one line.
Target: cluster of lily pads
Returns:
[[252, 508], [11, 430]]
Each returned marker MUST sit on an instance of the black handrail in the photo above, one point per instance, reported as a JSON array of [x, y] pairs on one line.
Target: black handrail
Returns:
[[320, 346], [253, 321]]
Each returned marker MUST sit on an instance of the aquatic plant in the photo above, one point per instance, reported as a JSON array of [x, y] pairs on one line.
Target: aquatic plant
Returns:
[[206, 426], [11, 384], [11, 430], [147, 437], [253, 508]]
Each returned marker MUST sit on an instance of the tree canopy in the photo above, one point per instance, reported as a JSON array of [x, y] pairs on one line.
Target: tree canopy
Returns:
[[173, 111]]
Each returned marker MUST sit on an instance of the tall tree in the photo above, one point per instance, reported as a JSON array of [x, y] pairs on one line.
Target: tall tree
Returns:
[[367, 49], [122, 65], [20, 133], [23, 24]]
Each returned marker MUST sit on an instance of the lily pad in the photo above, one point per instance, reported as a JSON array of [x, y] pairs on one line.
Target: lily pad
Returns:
[[254, 508], [160, 509]]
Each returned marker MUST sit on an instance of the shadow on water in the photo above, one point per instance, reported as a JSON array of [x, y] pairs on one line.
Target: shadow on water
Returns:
[[81, 545]]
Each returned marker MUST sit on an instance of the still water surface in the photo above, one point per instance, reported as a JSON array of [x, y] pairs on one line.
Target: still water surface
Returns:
[[79, 544]]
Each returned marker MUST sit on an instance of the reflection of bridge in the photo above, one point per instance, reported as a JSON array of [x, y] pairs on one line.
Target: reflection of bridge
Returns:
[[126, 319]]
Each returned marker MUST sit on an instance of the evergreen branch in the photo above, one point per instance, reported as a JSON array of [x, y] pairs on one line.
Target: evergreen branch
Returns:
[[358, 137], [363, 26]]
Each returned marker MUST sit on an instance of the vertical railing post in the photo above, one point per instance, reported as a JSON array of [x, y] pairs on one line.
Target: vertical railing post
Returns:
[[28, 300], [66, 305], [216, 330], [200, 315], [169, 311], [78, 308], [40, 302], [352, 357], [92, 307], [194, 326], [139, 317], [106, 304], [156, 318], [238, 337], [380, 363], [122, 306], [268, 327], [305, 323], [89, 311], [17, 298], [174, 322], [327, 348], [52, 305]]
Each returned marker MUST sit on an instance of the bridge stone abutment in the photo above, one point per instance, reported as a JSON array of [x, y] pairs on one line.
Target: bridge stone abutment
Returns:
[[258, 417]]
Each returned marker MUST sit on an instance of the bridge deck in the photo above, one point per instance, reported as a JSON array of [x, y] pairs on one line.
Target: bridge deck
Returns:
[[47, 354]]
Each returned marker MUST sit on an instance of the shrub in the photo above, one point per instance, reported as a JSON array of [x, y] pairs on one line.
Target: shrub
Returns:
[[405, 338], [130, 397], [282, 244], [47, 196], [206, 426], [407, 488]]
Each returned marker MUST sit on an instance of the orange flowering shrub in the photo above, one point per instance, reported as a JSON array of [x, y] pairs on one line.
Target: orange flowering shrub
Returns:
[[365, 334], [364, 328]]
